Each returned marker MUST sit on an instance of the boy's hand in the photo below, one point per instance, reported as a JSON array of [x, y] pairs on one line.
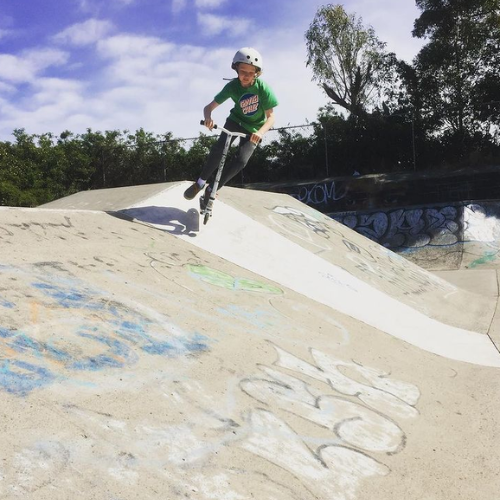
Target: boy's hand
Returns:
[[255, 138], [209, 123]]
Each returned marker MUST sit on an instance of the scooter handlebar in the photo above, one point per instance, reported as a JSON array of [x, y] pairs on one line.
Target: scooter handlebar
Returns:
[[228, 132]]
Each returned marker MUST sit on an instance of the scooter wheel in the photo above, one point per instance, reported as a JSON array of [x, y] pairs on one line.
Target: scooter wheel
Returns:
[[205, 219]]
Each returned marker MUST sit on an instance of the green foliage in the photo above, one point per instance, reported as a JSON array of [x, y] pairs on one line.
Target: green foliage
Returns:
[[39, 168], [459, 67], [36, 169], [291, 156]]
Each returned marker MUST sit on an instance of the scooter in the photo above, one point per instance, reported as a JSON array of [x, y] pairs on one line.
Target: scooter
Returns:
[[207, 205]]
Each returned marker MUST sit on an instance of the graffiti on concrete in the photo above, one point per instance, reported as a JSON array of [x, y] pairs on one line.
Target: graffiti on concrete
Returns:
[[40, 230], [454, 228], [362, 418], [311, 227], [377, 264], [486, 258], [75, 328], [325, 422], [224, 280], [353, 416], [419, 227], [312, 221], [321, 194], [209, 275], [393, 270], [407, 228]]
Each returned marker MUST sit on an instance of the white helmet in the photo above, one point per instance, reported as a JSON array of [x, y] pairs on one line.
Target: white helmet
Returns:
[[248, 55]]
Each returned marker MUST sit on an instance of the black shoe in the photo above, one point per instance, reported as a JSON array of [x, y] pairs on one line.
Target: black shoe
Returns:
[[192, 191]]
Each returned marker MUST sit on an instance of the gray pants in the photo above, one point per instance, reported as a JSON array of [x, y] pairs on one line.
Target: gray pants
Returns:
[[238, 163]]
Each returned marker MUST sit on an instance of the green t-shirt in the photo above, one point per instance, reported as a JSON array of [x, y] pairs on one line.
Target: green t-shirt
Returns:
[[250, 103]]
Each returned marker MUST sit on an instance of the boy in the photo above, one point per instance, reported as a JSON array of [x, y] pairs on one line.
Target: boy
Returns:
[[252, 114]]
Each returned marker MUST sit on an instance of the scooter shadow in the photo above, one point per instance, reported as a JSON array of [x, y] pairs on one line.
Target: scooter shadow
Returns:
[[169, 219]]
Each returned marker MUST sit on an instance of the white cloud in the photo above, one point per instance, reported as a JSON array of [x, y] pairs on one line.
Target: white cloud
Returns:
[[94, 6], [162, 87], [5, 33], [50, 107], [146, 83], [178, 6], [14, 69], [86, 33], [216, 25], [209, 4], [25, 68], [132, 58], [395, 29], [6, 88], [88, 7], [43, 58], [125, 45], [153, 66], [54, 90]]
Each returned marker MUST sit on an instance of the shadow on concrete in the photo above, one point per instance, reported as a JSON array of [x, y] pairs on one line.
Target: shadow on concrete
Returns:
[[171, 219]]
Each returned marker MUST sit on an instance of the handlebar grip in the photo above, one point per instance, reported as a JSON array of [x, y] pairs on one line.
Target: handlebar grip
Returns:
[[202, 122]]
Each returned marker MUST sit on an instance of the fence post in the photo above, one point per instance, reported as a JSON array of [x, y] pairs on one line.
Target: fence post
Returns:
[[326, 149], [103, 169], [413, 142]]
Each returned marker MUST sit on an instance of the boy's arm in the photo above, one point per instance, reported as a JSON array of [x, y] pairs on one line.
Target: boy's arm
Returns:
[[207, 114], [255, 138]]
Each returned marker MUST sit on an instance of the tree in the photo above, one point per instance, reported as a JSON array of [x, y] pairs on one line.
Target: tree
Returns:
[[79, 169], [347, 59], [459, 66], [290, 158]]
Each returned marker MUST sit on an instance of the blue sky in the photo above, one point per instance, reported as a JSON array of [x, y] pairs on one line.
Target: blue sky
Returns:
[[127, 64]]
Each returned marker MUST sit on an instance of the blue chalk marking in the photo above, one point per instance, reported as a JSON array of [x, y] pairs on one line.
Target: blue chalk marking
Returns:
[[5, 333], [177, 346], [20, 378], [197, 343], [125, 334], [118, 355], [24, 344], [97, 363], [7, 304], [135, 332], [69, 297]]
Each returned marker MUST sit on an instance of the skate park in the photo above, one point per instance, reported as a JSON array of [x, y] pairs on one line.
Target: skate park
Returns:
[[274, 353]]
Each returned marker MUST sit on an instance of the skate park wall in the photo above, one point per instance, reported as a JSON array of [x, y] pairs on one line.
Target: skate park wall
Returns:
[[376, 191], [439, 220]]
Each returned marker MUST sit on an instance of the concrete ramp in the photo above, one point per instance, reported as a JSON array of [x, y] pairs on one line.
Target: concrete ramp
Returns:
[[271, 354]]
